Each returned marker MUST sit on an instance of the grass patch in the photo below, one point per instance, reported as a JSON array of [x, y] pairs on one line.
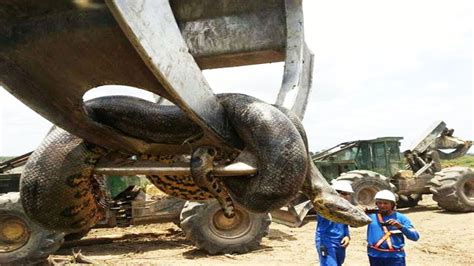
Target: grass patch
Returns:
[[5, 158], [466, 160]]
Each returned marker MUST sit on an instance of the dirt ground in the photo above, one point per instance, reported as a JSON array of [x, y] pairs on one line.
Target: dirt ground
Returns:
[[446, 239]]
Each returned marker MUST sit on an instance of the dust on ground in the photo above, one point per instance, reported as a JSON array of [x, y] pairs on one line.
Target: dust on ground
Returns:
[[445, 239]]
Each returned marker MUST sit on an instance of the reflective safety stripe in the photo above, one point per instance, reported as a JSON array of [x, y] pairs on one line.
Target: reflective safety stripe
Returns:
[[381, 240], [385, 237], [386, 250]]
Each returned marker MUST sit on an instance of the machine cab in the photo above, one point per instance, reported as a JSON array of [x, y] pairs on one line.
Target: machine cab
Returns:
[[385, 157], [381, 155]]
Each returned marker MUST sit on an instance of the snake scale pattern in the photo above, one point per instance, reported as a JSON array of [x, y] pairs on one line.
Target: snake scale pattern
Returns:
[[60, 191]]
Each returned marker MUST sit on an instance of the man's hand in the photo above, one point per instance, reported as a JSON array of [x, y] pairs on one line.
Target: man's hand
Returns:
[[345, 241], [395, 223], [369, 210]]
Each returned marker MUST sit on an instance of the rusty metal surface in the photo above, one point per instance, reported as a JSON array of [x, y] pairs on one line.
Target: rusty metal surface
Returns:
[[49, 60], [232, 32], [438, 138], [297, 76], [146, 23], [232, 170], [52, 52], [418, 185], [429, 137], [446, 141]]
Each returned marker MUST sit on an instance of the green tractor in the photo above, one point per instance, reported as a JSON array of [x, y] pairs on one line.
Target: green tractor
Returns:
[[376, 164]]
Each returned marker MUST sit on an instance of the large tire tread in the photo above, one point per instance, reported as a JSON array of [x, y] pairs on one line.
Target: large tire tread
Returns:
[[447, 188], [406, 201], [42, 242], [195, 223], [361, 179]]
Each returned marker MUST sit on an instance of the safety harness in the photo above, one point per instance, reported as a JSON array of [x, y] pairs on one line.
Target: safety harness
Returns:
[[385, 237]]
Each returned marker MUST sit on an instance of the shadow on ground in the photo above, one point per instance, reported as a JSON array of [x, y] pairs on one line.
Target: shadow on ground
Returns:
[[126, 243], [419, 208], [275, 234]]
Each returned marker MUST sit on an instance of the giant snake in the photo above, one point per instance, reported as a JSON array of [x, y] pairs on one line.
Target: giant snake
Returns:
[[59, 190]]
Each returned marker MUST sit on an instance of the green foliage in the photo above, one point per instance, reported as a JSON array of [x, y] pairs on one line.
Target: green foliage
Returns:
[[466, 160], [117, 184]]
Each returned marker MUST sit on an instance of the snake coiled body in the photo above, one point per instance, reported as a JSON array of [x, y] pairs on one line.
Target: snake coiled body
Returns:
[[57, 184], [267, 132], [282, 159]]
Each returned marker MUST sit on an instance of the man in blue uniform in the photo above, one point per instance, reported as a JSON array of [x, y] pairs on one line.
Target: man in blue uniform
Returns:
[[385, 234], [333, 238]]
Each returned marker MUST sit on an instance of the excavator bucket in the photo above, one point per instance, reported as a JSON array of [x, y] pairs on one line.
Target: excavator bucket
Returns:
[[53, 52], [439, 137]]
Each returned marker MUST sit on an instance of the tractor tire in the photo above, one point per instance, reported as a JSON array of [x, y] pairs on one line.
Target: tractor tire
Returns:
[[21, 240], [365, 185], [207, 227], [453, 189], [405, 201]]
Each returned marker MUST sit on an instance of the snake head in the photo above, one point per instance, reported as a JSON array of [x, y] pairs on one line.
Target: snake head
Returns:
[[339, 210], [329, 204]]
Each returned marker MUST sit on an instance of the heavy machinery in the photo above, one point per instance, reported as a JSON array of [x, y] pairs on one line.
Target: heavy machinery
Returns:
[[373, 165], [22, 239], [53, 52]]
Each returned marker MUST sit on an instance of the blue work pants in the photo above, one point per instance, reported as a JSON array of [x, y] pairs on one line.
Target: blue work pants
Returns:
[[387, 261], [331, 256]]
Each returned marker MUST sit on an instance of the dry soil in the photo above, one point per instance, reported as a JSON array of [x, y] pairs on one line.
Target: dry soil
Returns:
[[446, 239]]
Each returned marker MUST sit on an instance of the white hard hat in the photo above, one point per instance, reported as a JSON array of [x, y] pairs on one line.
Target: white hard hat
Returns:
[[343, 186], [385, 195]]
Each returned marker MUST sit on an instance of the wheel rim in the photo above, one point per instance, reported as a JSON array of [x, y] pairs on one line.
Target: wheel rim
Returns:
[[366, 196], [14, 233], [230, 228], [468, 190]]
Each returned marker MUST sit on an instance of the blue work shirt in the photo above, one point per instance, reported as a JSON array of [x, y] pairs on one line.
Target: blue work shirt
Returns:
[[375, 233], [330, 233]]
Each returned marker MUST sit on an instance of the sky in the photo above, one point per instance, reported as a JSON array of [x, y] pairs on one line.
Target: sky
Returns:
[[382, 68]]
